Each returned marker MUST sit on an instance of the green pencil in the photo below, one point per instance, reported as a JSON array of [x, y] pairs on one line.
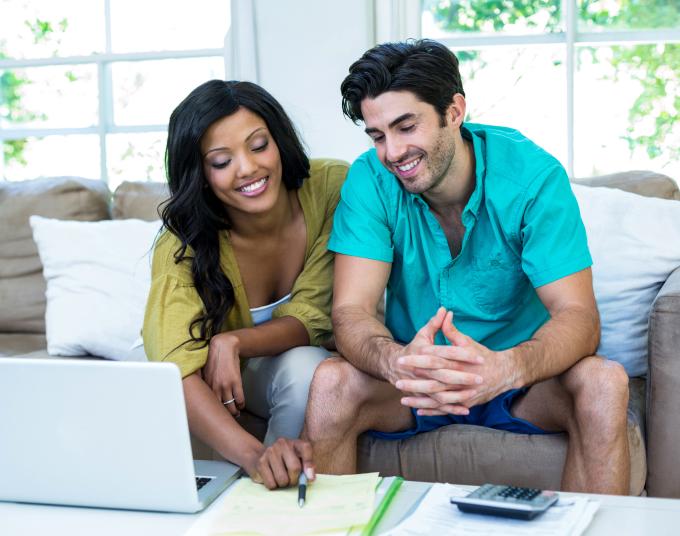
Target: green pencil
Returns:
[[382, 507]]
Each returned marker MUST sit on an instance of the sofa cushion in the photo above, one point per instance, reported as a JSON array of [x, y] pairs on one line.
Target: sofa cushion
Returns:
[[17, 344], [139, 200], [635, 245], [465, 454], [22, 288]]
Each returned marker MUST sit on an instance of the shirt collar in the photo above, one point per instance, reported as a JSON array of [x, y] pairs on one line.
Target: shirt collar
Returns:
[[475, 201]]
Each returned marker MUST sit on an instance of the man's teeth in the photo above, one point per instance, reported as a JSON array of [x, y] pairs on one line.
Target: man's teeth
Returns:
[[409, 166], [253, 186]]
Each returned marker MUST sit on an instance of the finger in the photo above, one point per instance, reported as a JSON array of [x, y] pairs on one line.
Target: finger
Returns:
[[451, 332], [240, 398], [225, 396], [450, 377], [433, 325], [444, 410], [265, 471], [292, 462], [460, 398], [463, 354], [277, 465], [431, 357], [420, 386], [306, 454], [424, 402]]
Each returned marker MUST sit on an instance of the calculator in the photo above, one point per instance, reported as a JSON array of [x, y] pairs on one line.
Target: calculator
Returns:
[[506, 501]]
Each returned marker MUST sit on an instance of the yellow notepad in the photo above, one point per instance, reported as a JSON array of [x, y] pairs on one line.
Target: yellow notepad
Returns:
[[333, 504]]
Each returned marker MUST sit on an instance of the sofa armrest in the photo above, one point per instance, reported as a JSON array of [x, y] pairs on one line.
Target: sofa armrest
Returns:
[[663, 392]]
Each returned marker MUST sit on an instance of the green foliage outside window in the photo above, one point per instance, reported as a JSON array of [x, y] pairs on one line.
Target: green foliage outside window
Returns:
[[656, 68], [11, 84]]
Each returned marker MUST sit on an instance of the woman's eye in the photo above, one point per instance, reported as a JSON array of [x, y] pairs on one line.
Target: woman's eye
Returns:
[[260, 147], [220, 165]]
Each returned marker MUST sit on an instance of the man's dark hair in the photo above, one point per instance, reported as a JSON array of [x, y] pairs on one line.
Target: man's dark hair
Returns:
[[424, 67]]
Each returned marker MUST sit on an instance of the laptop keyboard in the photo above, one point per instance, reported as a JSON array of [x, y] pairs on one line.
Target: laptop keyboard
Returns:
[[202, 481]]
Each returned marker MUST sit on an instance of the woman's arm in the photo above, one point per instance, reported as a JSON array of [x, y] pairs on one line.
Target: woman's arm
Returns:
[[215, 426], [276, 466]]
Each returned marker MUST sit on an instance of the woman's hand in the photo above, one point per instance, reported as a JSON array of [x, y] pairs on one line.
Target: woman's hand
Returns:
[[222, 372], [280, 465]]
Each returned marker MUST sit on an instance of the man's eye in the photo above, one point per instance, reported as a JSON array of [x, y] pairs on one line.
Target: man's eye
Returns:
[[377, 139], [408, 128], [220, 165]]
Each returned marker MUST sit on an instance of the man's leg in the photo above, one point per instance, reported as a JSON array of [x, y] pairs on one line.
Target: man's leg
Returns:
[[343, 403], [589, 401]]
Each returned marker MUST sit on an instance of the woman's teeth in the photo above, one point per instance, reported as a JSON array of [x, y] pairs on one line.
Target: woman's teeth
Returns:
[[253, 185]]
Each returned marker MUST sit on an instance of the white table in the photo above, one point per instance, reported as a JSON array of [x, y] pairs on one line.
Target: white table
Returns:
[[617, 515]]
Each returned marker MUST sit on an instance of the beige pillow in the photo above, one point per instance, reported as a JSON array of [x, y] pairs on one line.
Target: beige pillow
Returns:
[[22, 287]]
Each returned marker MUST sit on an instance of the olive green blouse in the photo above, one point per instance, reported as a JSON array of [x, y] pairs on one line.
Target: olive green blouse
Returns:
[[173, 301]]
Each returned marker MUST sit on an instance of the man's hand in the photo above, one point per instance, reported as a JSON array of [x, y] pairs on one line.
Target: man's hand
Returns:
[[280, 464], [445, 374], [222, 372]]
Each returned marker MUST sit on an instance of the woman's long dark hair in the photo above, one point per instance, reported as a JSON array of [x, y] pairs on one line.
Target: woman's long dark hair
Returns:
[[193, 213]]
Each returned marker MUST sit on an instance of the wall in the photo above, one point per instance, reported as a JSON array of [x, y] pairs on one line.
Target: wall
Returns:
[[303, 62]]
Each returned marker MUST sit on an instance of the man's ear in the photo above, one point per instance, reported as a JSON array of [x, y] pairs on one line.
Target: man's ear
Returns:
[[455, 113]]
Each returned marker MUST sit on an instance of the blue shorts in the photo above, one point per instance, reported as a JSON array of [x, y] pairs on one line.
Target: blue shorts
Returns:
[[494, 414]]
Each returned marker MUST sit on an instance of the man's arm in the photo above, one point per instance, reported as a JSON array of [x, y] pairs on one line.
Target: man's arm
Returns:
[[572, 333], [359, 285]]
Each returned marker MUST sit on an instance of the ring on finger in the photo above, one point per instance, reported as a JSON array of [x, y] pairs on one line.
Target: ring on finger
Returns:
[[227, 402]]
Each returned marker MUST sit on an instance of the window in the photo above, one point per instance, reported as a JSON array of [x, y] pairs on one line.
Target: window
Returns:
[[595, 82], [87, 88]]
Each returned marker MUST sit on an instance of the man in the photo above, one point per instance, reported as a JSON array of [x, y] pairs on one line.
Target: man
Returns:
[[490, 314]]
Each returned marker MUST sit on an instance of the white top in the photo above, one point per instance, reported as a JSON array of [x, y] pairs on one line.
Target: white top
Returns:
[[264, 313]]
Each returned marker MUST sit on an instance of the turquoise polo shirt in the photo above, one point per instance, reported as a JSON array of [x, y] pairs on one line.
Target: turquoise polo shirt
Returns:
[[523, 230]]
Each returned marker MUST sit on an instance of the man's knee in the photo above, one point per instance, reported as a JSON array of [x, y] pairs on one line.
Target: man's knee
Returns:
[[338, 380], [599, 389]]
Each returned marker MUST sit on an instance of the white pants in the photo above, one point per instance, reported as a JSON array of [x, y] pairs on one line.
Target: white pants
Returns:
[[276, 388]]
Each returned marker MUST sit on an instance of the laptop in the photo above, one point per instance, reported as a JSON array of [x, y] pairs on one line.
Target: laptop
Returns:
[[101, 433]]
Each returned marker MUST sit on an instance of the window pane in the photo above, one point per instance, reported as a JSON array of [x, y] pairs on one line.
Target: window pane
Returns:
[[146, 93], [168, 24], [49, 97], [51, 156], [626, 109], [45, 28], [510, 17], [596, 15], [521, 88], [135, 157]]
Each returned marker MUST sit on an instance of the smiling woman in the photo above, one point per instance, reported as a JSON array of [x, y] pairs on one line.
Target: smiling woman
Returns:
[[241, 281]]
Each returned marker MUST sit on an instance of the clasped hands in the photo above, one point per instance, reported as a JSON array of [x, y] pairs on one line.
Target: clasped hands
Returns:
[[442, 379]]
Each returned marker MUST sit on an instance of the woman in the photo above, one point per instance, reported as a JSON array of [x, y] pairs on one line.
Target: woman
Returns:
[[242, 272]]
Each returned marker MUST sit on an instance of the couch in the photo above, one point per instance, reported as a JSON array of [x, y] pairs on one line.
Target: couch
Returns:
[[457, 453]]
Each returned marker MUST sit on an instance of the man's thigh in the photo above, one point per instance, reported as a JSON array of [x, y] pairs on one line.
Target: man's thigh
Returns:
[[546, 405]]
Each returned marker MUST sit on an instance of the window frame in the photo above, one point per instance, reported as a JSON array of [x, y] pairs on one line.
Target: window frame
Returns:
[[103, 62], [397, 11]]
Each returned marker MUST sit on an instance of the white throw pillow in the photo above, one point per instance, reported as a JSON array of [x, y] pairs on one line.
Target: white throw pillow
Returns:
[[98, 276], [635, 245]]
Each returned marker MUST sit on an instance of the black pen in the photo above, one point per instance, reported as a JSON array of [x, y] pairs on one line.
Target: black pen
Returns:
[[302, 489]]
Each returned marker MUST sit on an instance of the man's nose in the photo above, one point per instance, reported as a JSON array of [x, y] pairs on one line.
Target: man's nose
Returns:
[[395, 150]]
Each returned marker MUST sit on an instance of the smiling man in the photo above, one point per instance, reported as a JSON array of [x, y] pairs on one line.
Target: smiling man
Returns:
[[490, 314]]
